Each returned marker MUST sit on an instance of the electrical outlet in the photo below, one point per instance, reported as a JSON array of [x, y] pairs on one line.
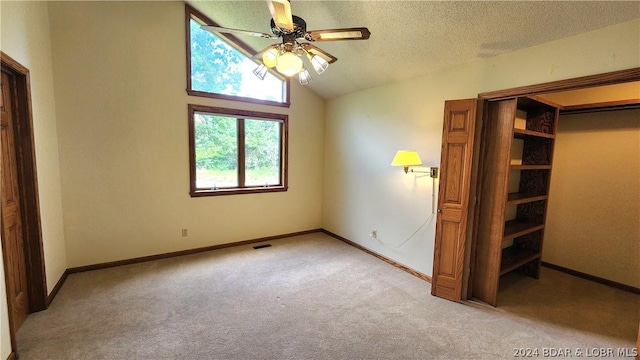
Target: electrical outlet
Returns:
[[374, 233], [185, 232]]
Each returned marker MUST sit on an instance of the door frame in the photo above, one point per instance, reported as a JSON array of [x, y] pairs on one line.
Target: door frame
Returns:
[[609, 78], [29, 198]]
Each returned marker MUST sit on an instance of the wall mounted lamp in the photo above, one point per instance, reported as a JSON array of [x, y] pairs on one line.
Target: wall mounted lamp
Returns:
[[408, 158]]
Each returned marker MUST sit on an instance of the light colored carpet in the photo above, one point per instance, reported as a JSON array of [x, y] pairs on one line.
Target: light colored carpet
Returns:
[[312, 297]]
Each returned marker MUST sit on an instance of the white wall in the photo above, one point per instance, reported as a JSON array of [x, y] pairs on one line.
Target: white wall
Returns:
[[26, 38], [593, 217], [364, 130], [122, 123]]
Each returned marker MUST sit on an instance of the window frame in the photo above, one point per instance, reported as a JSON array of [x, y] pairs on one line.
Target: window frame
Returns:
[[241, 46], [240, 115]]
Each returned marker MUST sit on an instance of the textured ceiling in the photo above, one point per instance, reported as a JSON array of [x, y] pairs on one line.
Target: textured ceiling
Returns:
[[410, 38]]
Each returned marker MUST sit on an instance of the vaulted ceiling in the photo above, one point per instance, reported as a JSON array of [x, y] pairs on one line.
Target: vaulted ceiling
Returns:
[[410, 38]]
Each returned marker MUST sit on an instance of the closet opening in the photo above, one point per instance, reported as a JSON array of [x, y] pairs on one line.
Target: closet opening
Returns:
[[581, 179]]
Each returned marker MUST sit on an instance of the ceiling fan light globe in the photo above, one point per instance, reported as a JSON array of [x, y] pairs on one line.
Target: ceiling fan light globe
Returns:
[[304, 77], [319, 64], [270, 58], [289, 64]]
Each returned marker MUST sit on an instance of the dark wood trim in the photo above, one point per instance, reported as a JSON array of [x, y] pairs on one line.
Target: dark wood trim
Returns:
[[411, 271], [238, 98], [239, 191], [238, 112], [284, 157], [192, 148], [187, 42], [56, 288], [241, 152], [594, 278], [240, 115], [609, 78], [240, 45], [204, 19], [545, 101], [30, 205], [25, 142], [109, 264]]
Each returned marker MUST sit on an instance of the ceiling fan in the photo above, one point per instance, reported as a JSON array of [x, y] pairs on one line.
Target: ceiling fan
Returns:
[[287, 56]]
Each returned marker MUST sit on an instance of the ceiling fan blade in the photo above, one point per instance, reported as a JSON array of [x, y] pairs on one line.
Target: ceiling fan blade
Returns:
[[281, 14], [221, 29], [361, 33], [313, 50], [259, 54]]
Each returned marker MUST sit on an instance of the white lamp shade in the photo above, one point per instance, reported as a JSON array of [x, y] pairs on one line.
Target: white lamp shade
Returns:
[[319, 64], [304, 77], [289, 64], [260, 71], [406, 158]]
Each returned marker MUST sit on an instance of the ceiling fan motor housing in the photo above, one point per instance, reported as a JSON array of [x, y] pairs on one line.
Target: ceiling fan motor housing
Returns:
[[299, 30]]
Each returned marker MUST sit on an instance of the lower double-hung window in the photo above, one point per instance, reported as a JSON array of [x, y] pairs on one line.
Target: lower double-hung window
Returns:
[[236, 151]]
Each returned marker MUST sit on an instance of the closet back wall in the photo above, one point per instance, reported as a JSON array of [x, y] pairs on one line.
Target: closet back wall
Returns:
[[593, 219]]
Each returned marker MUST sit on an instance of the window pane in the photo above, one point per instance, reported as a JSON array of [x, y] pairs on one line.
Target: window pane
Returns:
[[262, 152], [217, 67], [216, 149]]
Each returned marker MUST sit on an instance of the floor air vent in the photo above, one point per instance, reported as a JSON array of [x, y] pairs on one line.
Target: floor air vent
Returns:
[[262, 246]]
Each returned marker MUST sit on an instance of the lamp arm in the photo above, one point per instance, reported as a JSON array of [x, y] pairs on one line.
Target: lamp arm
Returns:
[[433, 171]]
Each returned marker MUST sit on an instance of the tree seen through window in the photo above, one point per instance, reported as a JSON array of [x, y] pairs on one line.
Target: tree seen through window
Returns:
[[217, 67], [236, 151]]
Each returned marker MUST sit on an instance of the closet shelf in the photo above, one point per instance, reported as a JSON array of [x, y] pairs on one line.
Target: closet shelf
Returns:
[[513, 258], [523, 133], [522, 198], [529, 167], [517, 227]]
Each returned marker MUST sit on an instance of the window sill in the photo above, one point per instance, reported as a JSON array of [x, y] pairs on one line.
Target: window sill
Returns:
[[237, 191], [237, 98]]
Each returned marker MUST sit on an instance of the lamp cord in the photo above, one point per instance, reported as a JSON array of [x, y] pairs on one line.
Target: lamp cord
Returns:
[[428, 221]]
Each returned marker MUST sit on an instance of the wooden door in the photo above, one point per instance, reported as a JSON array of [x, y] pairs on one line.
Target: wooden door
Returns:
[[12, 235], [453, 198]]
